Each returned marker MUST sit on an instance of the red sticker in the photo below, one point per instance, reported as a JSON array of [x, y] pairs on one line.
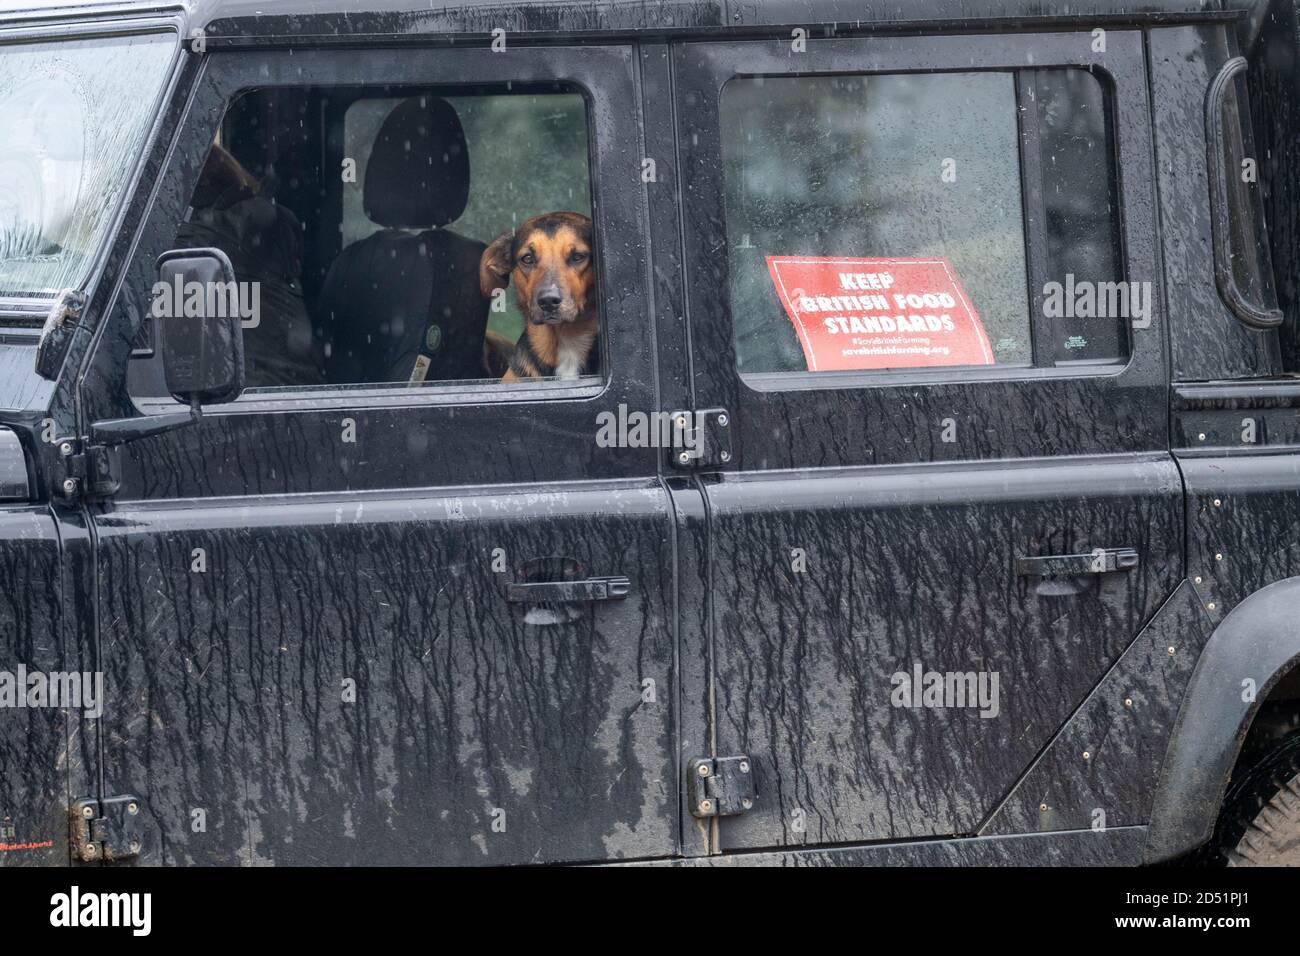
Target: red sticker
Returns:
[[879, 313]]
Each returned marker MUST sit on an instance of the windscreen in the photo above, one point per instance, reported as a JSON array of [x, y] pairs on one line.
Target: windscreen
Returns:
[[74, 115]]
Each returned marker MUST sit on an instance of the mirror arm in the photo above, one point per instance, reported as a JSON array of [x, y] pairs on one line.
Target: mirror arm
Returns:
[[119, 431]]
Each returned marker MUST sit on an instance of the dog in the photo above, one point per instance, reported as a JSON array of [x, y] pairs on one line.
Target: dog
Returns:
[[550, 260]]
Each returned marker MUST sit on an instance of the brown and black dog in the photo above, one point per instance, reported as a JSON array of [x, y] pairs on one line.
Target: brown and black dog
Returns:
[[549, 259]]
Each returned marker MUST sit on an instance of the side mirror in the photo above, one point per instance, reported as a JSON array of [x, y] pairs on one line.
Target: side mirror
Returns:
[[196, 301], [201, 337]]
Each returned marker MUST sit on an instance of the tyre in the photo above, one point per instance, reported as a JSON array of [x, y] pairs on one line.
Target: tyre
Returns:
[[1260, 825]]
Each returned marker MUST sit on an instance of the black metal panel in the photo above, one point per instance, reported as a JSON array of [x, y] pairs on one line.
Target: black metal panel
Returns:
[[339, 18], [907, 567], [1237, 418], [316, 20], [695, 668], [1243, 662], [1102, 769], [1120, 846], [13, 468], [79, 612], [1243, 525], [672, 333], [1207, 340], [1003, 14], [231, 684], [33, 740], [20, 386]]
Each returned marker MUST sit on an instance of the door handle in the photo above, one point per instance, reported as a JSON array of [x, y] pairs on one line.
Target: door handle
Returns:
[[569, 592], [1098, 561]]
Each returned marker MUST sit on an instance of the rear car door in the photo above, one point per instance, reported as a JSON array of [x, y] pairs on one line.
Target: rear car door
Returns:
[[311, 646], [935, 521]]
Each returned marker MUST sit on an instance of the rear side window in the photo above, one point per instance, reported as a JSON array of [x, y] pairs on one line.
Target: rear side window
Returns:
[[921, 220]]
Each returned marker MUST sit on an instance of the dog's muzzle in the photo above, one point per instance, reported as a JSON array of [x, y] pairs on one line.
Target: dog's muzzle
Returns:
[[550, 307]]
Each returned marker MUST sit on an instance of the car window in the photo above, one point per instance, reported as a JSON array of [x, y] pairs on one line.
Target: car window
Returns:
[[74, 115], [537, 144], [900, 221], [357, 222]]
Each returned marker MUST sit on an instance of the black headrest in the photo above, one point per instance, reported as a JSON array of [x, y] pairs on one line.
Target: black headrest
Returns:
[[418, 175]]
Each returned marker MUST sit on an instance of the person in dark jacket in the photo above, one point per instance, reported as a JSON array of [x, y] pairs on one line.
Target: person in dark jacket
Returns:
[[263, 240]]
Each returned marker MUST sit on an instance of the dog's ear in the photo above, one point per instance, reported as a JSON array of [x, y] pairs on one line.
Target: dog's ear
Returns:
[[584, 228], [496, 264]]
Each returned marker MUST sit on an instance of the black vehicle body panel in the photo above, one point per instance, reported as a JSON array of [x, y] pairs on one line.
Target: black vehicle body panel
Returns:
[[1123, 728], [317, 18], [912, 542], [393, 589], [232, 681], [1120, 846], [35, 740], [1258, 637], [829, 742], [305, 643]]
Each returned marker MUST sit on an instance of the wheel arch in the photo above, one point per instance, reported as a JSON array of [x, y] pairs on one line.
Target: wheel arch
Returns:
[[1258, 640]]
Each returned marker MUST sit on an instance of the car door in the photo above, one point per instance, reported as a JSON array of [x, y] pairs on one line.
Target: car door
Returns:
[[338, 623], [926, 553]]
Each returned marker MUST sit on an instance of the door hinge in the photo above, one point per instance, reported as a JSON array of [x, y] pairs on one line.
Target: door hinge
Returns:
[[721, 786], [111, 829], [89, 470], [701, 439]]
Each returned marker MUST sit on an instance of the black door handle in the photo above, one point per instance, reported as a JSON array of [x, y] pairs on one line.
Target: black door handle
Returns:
[[1099, 561], [569, 592]]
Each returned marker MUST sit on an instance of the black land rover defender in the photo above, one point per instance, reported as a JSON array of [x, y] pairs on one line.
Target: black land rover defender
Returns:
[[929, 491]]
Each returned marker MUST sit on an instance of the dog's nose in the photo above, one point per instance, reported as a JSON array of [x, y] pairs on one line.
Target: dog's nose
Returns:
[[548, 300]]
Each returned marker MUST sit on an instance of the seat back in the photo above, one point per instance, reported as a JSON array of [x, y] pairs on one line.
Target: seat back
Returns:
[[401, 294]]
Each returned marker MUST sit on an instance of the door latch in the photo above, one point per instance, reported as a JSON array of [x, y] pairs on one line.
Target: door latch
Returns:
[[568, 592], [721, 786]]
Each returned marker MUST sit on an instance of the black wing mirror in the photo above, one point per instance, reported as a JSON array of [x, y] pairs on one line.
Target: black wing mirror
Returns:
[[196, 302], [202, 340]]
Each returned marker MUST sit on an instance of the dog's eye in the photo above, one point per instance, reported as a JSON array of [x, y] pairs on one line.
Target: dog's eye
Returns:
[[528, 259], [577, 258]]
